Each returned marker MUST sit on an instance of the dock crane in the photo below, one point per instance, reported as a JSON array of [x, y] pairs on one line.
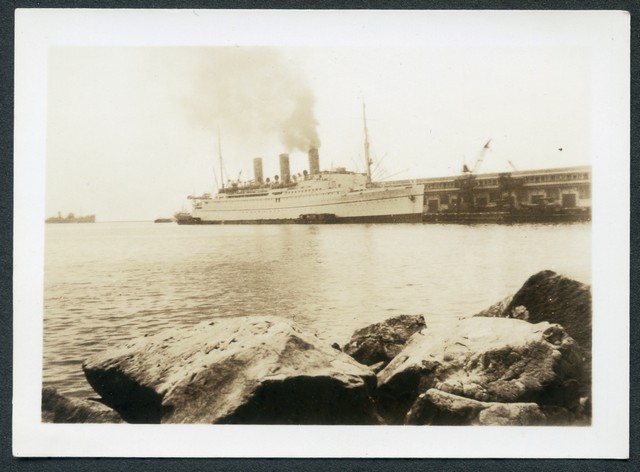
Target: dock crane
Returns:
[[367, 156], [479, 160], [467, 182], [483, 153]]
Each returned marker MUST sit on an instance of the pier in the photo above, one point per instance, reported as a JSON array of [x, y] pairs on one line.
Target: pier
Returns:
[[545, 195]]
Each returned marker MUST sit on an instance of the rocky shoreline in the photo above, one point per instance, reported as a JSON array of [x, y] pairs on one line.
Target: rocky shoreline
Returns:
[[524, 361]]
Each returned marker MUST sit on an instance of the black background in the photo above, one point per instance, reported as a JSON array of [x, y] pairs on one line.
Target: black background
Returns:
[[9, 463]]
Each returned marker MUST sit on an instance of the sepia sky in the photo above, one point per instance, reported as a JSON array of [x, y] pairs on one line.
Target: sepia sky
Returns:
[[132, 129]]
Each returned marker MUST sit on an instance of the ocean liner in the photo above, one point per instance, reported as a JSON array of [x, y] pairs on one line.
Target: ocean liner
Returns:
[[336, 196]]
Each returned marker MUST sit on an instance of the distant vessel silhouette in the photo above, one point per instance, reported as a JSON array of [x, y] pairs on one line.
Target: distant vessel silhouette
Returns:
[[71, 218]]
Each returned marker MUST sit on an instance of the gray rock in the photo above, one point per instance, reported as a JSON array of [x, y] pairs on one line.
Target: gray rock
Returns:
[[512, 414], [251, 370], [497, 309], [485, 359], [381, 342], [558, 416], [547, 296], [57, 408], [436, 407], [378, 366]]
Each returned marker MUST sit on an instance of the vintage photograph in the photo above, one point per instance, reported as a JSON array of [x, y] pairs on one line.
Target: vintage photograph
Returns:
[[323, 219]]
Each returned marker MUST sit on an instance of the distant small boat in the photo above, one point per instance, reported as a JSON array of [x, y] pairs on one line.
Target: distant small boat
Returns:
[[163, 220], [71, 218], [184, 218]]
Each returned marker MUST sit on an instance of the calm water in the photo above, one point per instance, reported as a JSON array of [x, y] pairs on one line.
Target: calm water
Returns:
[[106, 283]]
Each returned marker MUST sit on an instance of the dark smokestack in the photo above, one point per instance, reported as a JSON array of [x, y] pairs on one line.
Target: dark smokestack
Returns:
[[257, 170], [285, 173], [314, 161]]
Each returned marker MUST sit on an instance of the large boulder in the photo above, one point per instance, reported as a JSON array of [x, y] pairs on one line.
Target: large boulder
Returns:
[[435, 407], [485, 359], [251, 370], [57, 408], [547, 296], [498, 309], [381, 342]]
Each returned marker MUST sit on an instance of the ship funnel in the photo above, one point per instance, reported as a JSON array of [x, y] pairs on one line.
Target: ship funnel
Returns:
[[314, 161], [257, 170], [285, 173]]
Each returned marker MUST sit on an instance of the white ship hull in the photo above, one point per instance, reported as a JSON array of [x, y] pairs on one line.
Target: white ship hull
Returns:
[[339, 198]]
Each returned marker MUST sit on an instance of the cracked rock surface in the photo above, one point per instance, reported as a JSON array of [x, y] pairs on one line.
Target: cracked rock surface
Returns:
[[57, 408], [381, 342], [484, 359], [252, 370]]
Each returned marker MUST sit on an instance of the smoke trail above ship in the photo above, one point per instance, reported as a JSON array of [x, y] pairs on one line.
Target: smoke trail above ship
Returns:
[[257, 91]]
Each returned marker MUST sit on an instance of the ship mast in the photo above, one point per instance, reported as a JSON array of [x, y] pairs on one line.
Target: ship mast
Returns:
[[366, 144], [220, 158]]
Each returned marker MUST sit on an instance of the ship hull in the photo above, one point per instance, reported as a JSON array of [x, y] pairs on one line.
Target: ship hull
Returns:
[[327, 206], [407, 218], [71, 219]]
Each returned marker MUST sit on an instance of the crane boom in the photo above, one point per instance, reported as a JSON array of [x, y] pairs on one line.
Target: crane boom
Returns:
[[483, 152], [366, 144], [220, 159]]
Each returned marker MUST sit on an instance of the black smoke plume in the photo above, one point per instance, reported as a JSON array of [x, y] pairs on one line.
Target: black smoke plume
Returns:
[[254, 91]]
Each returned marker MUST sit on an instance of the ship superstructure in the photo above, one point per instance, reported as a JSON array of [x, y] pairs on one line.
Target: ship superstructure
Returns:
[[336, 196], [315, 196]]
